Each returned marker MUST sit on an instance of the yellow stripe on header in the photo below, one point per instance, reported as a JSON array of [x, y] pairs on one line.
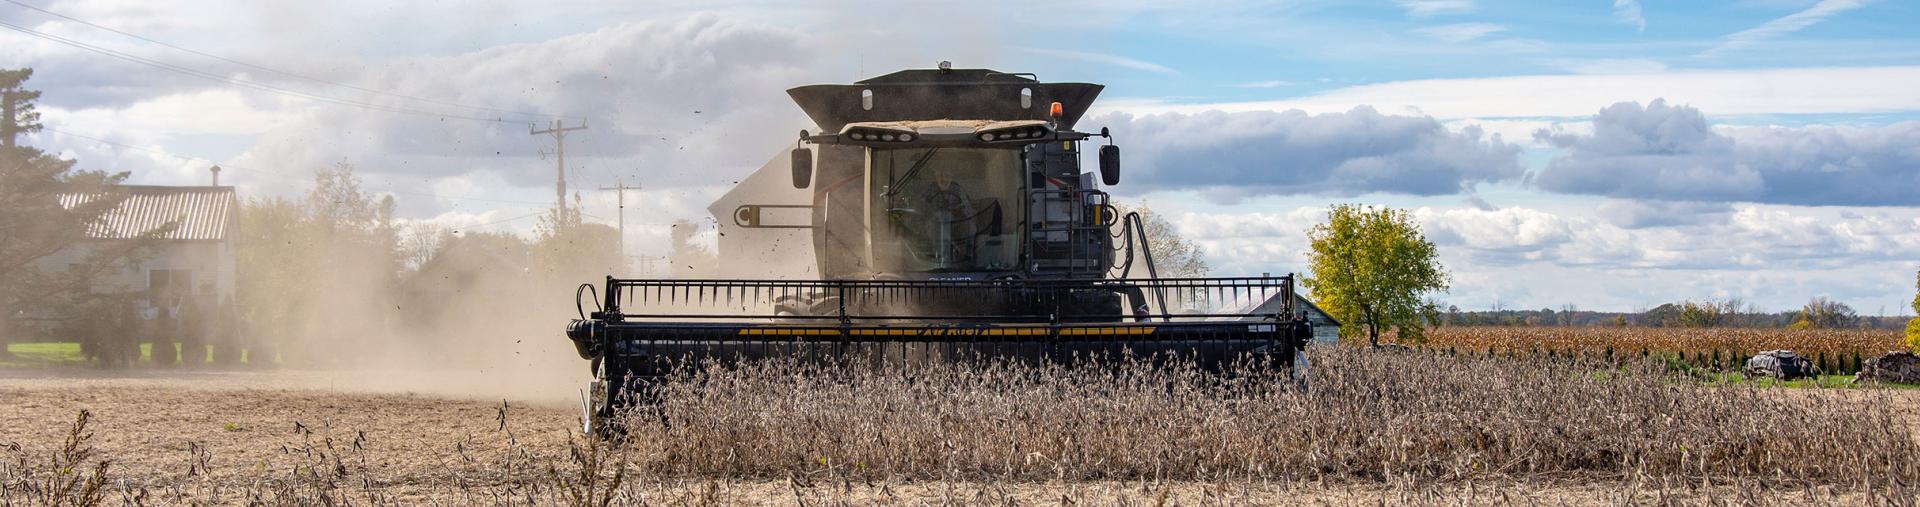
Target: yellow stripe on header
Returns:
[[953, 331]]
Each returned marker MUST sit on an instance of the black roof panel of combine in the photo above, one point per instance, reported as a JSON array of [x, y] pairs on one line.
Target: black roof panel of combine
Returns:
[[953, 76], [931, 94]]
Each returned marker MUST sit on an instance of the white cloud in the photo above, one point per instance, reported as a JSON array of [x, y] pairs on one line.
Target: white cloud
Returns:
[[115, 151], [1811, 90], [1628, 11], [1782, 26], [1670, 152], [1237, 155], [1519, 131], [1775, 256], [1430, 8], [1460, 32], [212, 111], [1636, 214], [1104, 59], [664, 97]]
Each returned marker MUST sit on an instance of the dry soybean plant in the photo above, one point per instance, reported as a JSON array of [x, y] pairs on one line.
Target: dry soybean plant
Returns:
[[1364, 416], [71, 475], [1368, 427]]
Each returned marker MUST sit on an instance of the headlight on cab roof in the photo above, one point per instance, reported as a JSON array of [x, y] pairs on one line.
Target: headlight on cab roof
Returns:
[[1015, 134], [879, 135]]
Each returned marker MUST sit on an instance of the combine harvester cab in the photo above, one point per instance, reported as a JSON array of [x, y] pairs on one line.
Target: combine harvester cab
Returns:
[[951, 221]]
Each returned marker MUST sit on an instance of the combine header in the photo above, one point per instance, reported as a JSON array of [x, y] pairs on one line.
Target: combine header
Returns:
[[951, 221]]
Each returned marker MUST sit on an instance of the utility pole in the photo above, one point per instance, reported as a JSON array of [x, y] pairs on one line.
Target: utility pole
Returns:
[[559, 132], [621, 187]]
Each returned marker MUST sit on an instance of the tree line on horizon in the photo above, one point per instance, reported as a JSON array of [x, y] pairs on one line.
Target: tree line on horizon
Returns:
[[1818, 313]]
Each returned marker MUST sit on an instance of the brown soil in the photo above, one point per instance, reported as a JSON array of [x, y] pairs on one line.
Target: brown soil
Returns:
[[236, 437]]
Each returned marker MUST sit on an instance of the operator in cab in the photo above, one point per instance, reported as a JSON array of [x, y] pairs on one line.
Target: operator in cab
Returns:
[[949, 231]]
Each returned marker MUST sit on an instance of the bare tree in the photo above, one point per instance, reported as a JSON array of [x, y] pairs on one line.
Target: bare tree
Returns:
[[1823, 313], [1174, 255]]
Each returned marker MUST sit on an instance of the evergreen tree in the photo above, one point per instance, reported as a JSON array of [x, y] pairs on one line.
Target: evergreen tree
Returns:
[[33, 222]]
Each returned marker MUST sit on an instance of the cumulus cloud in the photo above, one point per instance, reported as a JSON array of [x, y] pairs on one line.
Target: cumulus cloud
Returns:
[[1636, 214], [661, 98], [1731, 238], [1670, 152], [1501, 236], [1538, 257], [1234, 155]]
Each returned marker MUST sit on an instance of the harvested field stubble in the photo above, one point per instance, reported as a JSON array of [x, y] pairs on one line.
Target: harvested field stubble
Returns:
[[1671, 340], [1368, 416]]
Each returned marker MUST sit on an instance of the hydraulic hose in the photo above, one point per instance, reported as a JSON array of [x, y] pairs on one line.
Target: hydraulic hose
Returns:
[[586, 288], [1136, 231]]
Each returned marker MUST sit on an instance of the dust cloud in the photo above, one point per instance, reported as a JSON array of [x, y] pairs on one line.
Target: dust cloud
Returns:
[[471, 315], [349, 300]]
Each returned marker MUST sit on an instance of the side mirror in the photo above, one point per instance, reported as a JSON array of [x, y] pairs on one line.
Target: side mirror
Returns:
[[1110, 165], [802, 167]]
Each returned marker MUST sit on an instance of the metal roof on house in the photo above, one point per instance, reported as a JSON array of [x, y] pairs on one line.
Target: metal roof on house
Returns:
[[1312, 311], [201, 213], [1297, 298]]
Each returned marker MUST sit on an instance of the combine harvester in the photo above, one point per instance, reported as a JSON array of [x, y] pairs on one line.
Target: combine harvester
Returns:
[[950, 221]]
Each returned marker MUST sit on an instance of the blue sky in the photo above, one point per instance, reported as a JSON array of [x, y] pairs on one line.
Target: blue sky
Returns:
[[1609, 154]]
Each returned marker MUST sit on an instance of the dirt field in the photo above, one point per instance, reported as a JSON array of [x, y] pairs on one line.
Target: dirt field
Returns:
[[244, 437]]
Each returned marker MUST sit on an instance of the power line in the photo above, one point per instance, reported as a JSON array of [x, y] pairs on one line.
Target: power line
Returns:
[[231, 166], [237, 82], [277, 71]]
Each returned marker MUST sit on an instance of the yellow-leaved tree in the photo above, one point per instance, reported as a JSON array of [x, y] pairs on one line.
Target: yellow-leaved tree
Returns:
[[1913, 326], [1371, 267]]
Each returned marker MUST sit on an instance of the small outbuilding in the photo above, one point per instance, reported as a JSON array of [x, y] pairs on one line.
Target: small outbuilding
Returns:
[[191, 230], [1326, 329]]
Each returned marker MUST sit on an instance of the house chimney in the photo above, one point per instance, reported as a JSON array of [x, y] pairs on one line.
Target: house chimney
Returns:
[[216, 175]]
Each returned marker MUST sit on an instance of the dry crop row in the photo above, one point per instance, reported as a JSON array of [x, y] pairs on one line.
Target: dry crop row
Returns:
[[1367, 416], [1667, 340], [813, 434]]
